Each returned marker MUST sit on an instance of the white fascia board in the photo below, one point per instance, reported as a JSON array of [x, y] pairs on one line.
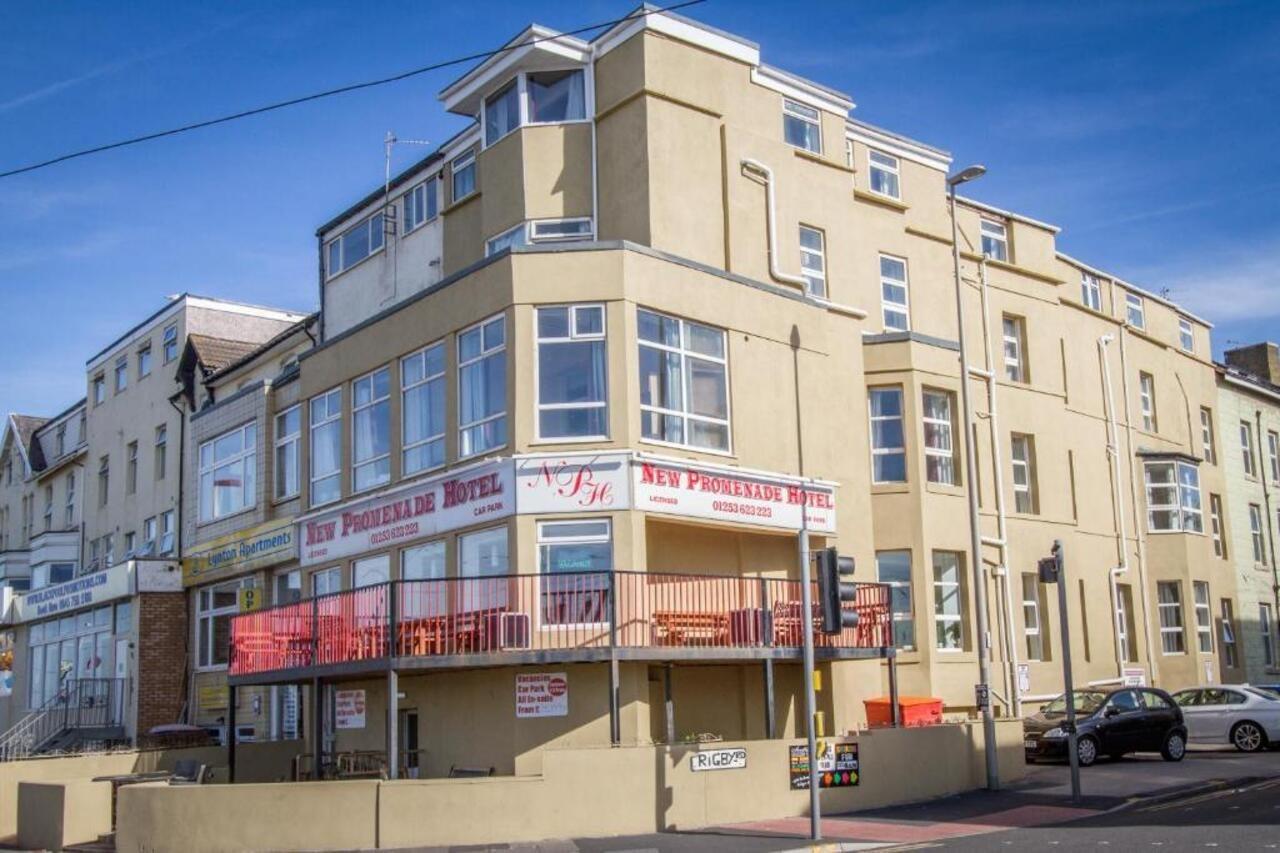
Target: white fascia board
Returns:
[[1008, 214], [801, 90], [244, 309], [463, 95], [169, 312], [1101, 273], [682, 29], [1250, 387], [898, 147]]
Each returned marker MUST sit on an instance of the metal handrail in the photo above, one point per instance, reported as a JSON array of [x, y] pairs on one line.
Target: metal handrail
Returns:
[[78, 704]]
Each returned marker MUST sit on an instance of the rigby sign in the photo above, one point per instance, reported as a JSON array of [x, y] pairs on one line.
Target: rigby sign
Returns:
[[433, 506], [718, 759], [726, 494]]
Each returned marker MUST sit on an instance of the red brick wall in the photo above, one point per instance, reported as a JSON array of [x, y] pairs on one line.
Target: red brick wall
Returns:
[[162, 658]]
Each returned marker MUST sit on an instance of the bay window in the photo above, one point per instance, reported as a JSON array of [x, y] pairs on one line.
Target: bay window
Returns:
[[482, 387], [888, 442], [228, 472], [948, 601], [893, 569], [501, 112], [684, 388], [939, 451], [422, 384], [1204, 617], [535, 97], [1173, 497], [1169, 603], [574, 559], [371, 430], [483, 554], [325, 456], [572, 373]]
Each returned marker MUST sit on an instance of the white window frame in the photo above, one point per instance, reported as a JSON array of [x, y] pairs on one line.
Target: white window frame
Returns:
[[1204, 616], [997, 235], [1186, 335], [330, 578], [71, 499], [149, 530], [1171, 634], [144, 360], [1255, 535], [1022, 458], [287, 444], [166, 533], [939, 427], [1187, 510], [1147, 400], [888, 165], [546, 538], [207, 615], [805, 114], [459, 164], [1228, 635], [333, 414], [1246, 449], [1091, 291], [1122, 621], [1015, 366], [940, 589], [897, 616], [1216, 526], [888, 305], [1031, 614], [99, 389], [524, 103], [815, 275], [246, 458], [370, 407], [888, 450], [1273, 455], [1267, 633], [508, 239], [574, 337], [380, 562], [685, 412], [1135, 310], [170, 343], [424, 383], [1206, 436], [122, 373], [160, 451], [499, 351], [574, 228], [417, 204], [374, 223]]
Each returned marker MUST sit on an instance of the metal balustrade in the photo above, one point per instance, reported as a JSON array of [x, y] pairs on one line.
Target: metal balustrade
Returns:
[[81, 704], [559, 612]]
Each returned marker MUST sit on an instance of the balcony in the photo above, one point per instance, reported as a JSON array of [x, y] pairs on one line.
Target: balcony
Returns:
[[519, 619]]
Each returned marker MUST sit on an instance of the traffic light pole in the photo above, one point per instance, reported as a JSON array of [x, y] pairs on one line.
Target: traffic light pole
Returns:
[[810, 699], [1060, 569]]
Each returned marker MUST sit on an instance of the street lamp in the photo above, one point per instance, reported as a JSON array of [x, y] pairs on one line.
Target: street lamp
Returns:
[[983, 688]]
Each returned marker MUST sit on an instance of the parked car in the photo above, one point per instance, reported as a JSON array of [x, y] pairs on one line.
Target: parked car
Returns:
[[1109, 722], [1270, 688], [1247, 717]]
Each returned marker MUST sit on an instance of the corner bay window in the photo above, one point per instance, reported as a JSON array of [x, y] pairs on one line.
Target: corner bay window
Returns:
[[215, 605], [893, 568], [535, 97], [482, 387], [371, 430], [939, 452], [948, 603], [483, 554], [574, 558], [572, 378], [356, 243], [326, 447], [1204, 617], [422, 383], [684, 389], [1169, 602], [1173, 497], [888, 451], [228, 471]]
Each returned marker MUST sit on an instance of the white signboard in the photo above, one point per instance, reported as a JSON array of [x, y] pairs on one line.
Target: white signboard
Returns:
[[573, 483], [349, 709], [1024, 679], [542, 694], [1134, 677], [726, 494], [425, 508], [81, 592], [718, 759]]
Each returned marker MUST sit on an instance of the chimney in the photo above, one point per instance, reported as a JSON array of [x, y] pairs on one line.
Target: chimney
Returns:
[[1262, 360]]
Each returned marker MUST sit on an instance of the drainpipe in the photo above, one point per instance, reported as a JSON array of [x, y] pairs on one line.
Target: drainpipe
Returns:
[[590, 97], [1266, 500], [772, 221], [1117, 501], [1002, 535]]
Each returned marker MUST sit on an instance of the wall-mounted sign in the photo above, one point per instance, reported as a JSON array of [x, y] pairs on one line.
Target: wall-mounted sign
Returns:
[[718, 759], [255, 548], [727, 494], [213, 697], [1134, 677], [250, 599], [837, 766], [87, 591], [348, 709], [573, 483], [458, 499], [1024, 679], [542, 694]]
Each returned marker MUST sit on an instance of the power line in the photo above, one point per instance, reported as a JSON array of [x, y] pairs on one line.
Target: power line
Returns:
[[368, 84]]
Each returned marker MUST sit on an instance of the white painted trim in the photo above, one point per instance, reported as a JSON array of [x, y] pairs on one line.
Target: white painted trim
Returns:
[[800, 90], [680, 28], [897, 146], [1068, 259], [1016, 217], [469, 85]]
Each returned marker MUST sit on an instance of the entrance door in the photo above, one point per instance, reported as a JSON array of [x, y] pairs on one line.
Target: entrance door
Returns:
[[408, 738]]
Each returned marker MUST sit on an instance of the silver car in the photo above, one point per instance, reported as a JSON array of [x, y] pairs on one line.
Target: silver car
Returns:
[[1243, 716]]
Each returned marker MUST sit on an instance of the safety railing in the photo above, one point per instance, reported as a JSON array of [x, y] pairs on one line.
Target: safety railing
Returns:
[[543, 612], [80, 703]]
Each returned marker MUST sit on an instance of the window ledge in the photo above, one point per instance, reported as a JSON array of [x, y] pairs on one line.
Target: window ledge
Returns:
[[821, 160], [882, 200], [1012, 267], [890, 488], [220, 519], [465, 200], [945, 489], [725, 454], [590, 439]]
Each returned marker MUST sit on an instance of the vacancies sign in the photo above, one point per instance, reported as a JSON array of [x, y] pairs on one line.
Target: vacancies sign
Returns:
[[470, 496]]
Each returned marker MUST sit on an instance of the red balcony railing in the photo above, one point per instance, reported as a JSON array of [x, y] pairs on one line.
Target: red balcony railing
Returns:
[[545, 612]]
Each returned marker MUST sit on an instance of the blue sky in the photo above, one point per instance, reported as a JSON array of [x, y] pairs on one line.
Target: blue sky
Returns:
[[1147, 130]]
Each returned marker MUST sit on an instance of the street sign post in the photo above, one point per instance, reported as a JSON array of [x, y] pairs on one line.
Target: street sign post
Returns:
[[1053, 570]]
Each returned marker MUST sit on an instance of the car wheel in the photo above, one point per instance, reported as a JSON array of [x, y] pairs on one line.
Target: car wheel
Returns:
[[1086, 751], [1175, 747], [1248, 737]]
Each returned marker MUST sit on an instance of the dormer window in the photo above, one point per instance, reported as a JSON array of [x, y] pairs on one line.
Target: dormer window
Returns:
[[535, 97]]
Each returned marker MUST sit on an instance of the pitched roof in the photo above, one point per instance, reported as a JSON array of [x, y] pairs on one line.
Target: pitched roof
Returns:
[[216, 353], [25, 426], [265, 346]]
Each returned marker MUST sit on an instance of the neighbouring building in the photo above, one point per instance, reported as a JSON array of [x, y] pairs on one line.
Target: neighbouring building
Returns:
[[1249, 400]]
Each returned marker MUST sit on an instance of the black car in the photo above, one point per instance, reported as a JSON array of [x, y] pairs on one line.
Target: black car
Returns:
[[1109, 722]]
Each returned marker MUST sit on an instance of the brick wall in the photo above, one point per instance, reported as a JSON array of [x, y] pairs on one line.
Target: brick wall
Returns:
[[162, 658]]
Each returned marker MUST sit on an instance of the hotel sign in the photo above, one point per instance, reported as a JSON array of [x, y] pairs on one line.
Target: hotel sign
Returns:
[[86, 591], [255, 548], [574, 482], [730, 494], [461, 498]]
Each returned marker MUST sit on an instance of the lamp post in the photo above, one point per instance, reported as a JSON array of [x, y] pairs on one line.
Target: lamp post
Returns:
[[983, 688]]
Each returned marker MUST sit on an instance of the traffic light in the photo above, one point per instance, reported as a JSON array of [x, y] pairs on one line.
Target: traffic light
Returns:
[[832, 591]]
